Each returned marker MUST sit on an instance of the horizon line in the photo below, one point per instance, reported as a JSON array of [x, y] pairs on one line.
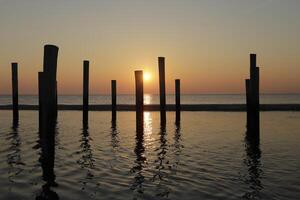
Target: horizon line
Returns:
[[108, 94]]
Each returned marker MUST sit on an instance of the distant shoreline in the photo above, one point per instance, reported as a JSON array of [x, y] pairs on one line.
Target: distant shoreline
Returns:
[[155, 107]]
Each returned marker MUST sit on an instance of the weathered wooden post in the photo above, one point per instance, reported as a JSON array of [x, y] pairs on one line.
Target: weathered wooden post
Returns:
[[162, 89], [56, 101], [248, 97], [114, 99], [47, 90], [85, 107], [15, 93], [139, 101], [252, 98], [50, 68], [177, 100], [41, 96]]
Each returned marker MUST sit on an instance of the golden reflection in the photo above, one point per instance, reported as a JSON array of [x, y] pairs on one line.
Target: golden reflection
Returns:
[[147, 99], [147, 124]]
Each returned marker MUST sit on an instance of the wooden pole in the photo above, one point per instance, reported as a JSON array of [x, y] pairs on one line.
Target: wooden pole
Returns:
[[85, 91], [15, 98], [48, 91], [56, 100], [248, 96], [50, 68], [139, 100], [252, 98], [177, 100], [162, 88], [41, 96], [114, 99], [256, 101]]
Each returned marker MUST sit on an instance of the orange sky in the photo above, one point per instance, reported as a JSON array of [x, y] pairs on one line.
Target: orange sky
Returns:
[[206, 43]]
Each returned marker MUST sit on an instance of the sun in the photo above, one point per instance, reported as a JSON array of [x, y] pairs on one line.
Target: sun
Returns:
[[147, 76]]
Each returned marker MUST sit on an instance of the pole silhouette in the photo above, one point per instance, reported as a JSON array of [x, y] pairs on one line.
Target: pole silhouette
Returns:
[[15, 93], [177, 100], [114, 99], [162, 89], [252, 98], [48, 90], [85, 107], [139, 100]]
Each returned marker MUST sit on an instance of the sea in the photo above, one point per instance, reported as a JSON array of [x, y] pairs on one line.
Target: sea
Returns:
[[154, 99], [205, 156]]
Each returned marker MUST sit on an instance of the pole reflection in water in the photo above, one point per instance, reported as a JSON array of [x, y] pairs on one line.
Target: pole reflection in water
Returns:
[[47, 158], [177, 144], [114, 134], [252, 161], [161, 173], [14, 158], [86, 161], [140, 158]]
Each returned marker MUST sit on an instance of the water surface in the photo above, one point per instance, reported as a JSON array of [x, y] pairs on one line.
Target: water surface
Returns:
[[206, 157]]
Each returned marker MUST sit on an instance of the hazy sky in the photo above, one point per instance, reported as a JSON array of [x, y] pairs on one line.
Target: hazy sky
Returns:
[[206, 43]]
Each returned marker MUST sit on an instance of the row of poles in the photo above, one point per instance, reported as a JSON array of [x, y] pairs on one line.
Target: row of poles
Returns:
[[47, 84]]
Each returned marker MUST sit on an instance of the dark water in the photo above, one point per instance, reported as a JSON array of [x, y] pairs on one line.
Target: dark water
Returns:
[[206, 157], [154, 99]]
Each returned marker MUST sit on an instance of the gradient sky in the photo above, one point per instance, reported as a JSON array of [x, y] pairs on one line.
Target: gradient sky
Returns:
[[206, 43]]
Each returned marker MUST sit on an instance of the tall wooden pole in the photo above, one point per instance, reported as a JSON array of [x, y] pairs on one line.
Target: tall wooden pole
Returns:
[[47, 90], [114, 99], [15, 93], [177, 100], [41, 98], [252, 98], [162, 88], [139, 101], [85, 107], [50, 69]]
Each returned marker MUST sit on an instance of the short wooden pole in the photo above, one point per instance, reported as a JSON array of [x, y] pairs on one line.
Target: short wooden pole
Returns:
[[15, 93], [85, 107], [139, 100], [162, 88], [114, 99], [177, 100]]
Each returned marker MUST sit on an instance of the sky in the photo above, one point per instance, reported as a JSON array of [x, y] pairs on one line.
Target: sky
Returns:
[[206, 43]]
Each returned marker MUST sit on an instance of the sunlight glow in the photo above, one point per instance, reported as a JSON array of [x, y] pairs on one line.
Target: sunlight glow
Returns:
[[147, 76]]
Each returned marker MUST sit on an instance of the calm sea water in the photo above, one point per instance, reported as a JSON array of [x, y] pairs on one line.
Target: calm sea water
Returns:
[[154, 99], [206, 157]]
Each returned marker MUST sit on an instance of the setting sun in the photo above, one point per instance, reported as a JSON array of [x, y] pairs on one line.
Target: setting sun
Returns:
[[147, 76]]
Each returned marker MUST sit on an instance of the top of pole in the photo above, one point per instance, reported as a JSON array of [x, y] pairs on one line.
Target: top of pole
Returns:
[[50, 59], [252, 65]]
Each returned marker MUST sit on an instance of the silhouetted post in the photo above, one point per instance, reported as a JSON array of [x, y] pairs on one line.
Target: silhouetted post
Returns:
[[139, 100], [177, 100], [114, 99], [15, 98], [85, 91], [162, 88], [50, 68], [252, 97], [56, 100], [41, 96], [47, 90], [248, 96]]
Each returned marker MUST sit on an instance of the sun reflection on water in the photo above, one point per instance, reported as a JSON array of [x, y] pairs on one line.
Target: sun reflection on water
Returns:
[[147, 124], [147, 99]]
